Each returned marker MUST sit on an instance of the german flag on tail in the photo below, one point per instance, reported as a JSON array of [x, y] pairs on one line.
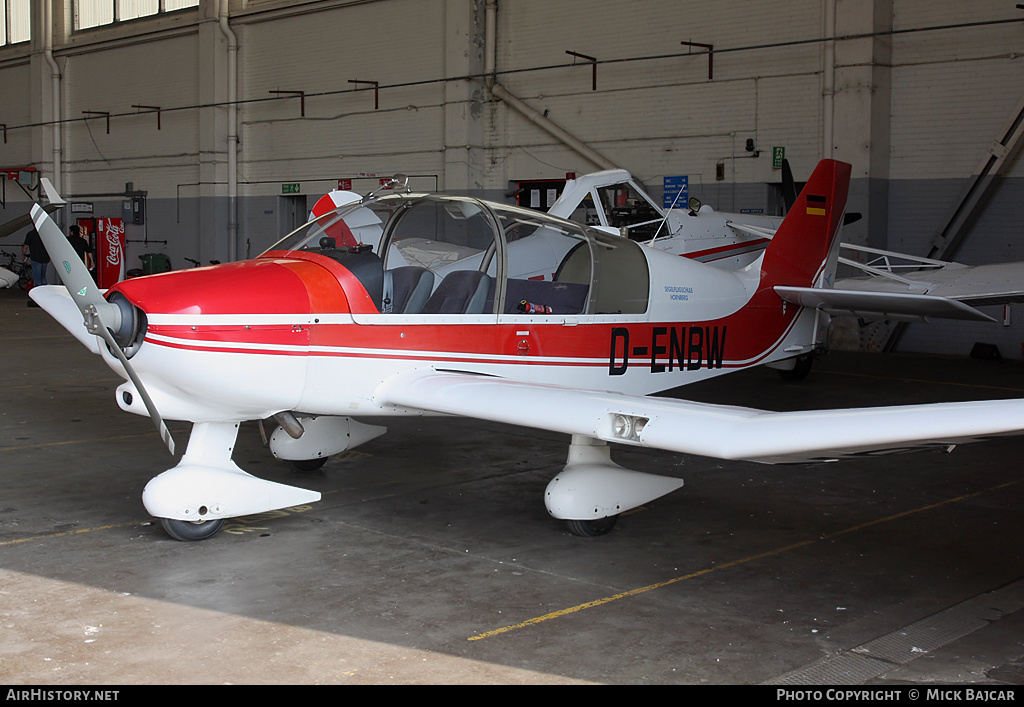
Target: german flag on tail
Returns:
[[816, 205]]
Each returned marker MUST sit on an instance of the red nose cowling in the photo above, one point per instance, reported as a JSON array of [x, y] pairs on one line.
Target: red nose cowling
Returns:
[[278, 283]]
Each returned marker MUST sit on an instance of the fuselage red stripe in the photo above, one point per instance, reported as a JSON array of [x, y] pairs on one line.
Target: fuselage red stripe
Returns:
[[726, 250]]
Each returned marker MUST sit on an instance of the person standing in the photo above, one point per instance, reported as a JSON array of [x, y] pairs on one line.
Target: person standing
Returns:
[[81, 246], [34, 249]]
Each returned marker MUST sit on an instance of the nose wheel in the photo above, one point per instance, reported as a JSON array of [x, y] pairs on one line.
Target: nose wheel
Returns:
[[305, 466], [192, 530], [592, 528]]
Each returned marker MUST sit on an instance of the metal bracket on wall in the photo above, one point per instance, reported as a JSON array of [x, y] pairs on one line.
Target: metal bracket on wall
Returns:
[[711, 56], [593, 62], [151, 109], [106, 114], [376, 90]]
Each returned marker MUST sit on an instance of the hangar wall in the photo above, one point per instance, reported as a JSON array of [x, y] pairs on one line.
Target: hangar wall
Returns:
[[914, 110]]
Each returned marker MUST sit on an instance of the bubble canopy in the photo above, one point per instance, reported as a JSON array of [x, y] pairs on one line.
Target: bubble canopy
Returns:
[[469, 256]]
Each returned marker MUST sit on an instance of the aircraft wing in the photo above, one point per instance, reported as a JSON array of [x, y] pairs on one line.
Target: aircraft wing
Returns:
[[899, 273], [901, 306], [15, 225], [979, 285], [719, 431], [56, 202]]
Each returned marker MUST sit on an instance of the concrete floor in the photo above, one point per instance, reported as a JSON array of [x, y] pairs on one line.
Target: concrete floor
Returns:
[[431, 558]]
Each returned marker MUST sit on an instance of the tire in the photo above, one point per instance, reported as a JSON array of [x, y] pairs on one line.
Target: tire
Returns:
[[305, 466], [800, 370], [191, 531], [593, 528]]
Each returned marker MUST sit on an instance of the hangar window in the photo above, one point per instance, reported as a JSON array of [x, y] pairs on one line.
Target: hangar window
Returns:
[[94, 13], [14, 21]]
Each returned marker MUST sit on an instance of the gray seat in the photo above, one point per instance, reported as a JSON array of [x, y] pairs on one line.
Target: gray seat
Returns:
[[407, 289], [460, 292]]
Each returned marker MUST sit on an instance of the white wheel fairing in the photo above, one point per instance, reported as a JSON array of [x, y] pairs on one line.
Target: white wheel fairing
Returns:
[[192, 492], [207, 485]]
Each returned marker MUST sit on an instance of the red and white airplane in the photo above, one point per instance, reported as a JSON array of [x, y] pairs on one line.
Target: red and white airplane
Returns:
[[465, 307]]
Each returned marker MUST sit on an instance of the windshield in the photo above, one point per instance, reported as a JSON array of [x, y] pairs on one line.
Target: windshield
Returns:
[[346, 226], [625, 206]]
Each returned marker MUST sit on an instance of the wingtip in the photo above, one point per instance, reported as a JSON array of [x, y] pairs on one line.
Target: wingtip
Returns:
[[51, 192]]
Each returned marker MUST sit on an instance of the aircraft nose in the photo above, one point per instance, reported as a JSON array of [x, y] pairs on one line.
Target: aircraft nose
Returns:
[[264, 286]]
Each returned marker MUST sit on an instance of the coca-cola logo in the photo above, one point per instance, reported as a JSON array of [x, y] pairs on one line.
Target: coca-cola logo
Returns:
[[113, 235], [114, 248]]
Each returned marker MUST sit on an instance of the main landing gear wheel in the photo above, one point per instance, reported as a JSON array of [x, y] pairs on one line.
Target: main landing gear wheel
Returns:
[[305, 466], [190, 531], [801, 368], [592, 528]]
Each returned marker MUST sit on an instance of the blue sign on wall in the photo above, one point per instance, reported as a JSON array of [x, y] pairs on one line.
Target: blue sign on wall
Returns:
[[677, 192]]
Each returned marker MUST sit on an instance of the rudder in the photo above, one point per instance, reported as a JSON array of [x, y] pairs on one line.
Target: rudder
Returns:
[[800, 249]]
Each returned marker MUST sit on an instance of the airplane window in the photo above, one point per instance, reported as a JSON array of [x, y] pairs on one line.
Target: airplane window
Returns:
[[442, 235], [624, 283], [537, 249], [586, 213], [561, 268], [342, 227], [625, 206], [440, 258]]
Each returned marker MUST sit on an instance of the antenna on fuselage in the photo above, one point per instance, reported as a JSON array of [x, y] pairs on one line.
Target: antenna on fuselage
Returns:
[[397, 182]]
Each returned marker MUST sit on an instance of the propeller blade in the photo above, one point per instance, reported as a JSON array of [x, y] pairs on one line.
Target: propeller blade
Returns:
[[788, 186], [165, 434], [101, 317], [76, 278]]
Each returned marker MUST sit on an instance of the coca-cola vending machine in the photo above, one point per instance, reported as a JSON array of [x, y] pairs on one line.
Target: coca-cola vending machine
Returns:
[[109, 251], [87, 230]]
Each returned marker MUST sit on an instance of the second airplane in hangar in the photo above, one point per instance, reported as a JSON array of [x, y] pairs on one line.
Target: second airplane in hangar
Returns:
[[612, 199]]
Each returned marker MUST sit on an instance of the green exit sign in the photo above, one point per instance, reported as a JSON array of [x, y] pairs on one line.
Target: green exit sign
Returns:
[[290, 189], [778, 155]]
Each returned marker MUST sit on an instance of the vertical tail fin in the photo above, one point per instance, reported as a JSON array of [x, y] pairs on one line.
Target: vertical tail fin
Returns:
[[799, 252]]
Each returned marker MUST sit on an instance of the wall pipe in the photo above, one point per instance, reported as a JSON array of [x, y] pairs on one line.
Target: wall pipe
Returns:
[[828, 89], [55, 79], [232, 138], [531, 114]]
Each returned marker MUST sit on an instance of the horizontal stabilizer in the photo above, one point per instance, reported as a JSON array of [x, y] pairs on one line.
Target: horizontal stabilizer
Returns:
[[888, 305]]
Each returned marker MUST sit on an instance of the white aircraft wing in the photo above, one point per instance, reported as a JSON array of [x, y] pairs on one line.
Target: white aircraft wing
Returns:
[[899, 273], [979, 285], [16, 224], [901, 306], [720, 431]]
